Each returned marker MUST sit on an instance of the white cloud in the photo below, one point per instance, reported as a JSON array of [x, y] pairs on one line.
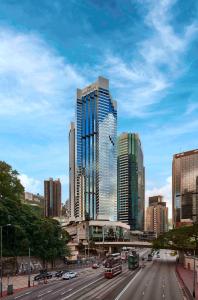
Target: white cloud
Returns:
[[30, 184], [165, 191], [33, 78], [145, 80], [191, 107]]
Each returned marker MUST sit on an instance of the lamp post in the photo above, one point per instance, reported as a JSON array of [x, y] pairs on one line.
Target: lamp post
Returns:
[[29, 267], [1, 283]]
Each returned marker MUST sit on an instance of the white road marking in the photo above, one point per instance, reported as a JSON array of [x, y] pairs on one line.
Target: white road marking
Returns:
[[59, 291], [27, 293], [126, 287], [47, 292], [19, 296], [66, 291], [81, 289]]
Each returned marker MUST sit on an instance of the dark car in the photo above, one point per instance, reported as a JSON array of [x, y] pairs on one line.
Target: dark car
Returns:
[[42, 276], [60, 273]]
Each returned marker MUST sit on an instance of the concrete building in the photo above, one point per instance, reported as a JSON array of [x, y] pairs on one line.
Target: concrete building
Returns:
[[96, 155], [98, 231], [185, 187], [52, 195], [131, 181], [72, 171], [157, 216], [65, 209], [34, 200]]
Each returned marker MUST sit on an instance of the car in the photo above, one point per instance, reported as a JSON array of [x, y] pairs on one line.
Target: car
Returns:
[[41, 276], [95, 266], [69, 275], [60, 273], [158, 256]]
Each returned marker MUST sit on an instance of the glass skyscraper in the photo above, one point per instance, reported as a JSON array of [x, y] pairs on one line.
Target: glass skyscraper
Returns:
[[131, 181], [185, 187], [96, 153]]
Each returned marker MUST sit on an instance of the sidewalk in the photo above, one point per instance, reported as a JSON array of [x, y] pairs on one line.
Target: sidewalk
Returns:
[[186, 276], [19, 282]]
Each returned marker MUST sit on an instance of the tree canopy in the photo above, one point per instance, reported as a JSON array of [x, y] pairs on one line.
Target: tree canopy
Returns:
[[183, 238], [26, 228]]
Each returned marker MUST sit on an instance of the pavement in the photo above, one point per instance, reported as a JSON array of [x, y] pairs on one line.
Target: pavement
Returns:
[[157, 280], [186, 276]]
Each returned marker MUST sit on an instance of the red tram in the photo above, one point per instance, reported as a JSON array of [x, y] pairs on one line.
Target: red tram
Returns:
[[113, 265]]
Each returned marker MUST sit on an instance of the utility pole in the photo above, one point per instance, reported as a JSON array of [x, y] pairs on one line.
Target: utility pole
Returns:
[[29, 269]]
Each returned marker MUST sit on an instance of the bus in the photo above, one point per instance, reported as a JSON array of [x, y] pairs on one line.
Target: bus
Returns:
[[113, 265], [133, 260]]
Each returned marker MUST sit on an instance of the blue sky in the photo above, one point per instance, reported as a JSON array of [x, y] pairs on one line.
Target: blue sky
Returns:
[[147, 49]]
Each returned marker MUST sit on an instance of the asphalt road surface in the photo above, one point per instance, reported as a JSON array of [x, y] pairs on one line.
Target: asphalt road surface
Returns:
[[154, 282]]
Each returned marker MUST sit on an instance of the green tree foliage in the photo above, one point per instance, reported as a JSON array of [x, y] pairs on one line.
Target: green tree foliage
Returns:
[[44, 236], [183, 238]]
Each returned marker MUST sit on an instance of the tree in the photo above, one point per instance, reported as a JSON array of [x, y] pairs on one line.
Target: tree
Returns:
[[183, 238], [10, 185], [44, 236]]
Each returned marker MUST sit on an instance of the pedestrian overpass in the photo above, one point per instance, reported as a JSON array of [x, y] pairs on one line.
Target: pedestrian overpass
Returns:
[[110, 245]]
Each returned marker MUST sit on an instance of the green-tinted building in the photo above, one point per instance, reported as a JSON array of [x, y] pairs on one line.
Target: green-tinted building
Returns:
[[131, 181]]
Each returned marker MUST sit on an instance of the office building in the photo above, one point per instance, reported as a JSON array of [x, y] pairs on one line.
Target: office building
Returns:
[[131, 181], [157, 215], [96, 155], [52, 196], [72, 171], [185, 187]]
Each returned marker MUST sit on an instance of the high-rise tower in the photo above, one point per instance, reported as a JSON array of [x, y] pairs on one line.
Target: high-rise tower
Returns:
[[185, 187], [72, 171], [131, 182], [157, 215], [52, 194], [96, 155]]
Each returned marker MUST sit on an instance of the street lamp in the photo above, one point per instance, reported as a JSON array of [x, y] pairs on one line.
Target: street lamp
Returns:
[[1, 283]]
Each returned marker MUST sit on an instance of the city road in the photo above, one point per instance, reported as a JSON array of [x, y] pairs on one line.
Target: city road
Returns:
[[156, 281]]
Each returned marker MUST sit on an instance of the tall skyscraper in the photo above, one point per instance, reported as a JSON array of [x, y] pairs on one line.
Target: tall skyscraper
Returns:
[[185, 187], [96, 155], [157, 215], [131, 181], [72, 171], [52, 196]]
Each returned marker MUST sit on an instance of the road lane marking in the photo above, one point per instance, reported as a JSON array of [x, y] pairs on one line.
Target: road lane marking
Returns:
[[19, 296], [107, 285], [81, 289], [27, 293], [47, 292], [66, 291], [59, 291], [126, 287]]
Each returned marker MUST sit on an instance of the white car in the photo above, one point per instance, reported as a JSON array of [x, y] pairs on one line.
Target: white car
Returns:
[[69, 275]]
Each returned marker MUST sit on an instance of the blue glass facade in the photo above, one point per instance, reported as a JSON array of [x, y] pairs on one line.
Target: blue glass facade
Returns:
[[96, 131]]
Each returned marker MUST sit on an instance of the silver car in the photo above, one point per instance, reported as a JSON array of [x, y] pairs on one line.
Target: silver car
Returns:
[[69, 275]]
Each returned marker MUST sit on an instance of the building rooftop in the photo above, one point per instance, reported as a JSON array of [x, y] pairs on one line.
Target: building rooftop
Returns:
[[186, 153]]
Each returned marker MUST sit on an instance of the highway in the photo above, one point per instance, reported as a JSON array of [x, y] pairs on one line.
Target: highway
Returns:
[[156, 281]]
